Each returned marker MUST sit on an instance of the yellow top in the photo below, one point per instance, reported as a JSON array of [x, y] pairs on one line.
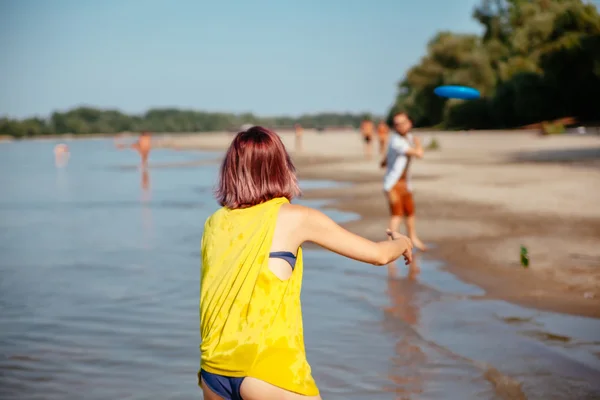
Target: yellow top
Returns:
[[250, 320]]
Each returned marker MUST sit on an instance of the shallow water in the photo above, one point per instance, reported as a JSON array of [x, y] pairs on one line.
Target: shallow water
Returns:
[[99, 272]]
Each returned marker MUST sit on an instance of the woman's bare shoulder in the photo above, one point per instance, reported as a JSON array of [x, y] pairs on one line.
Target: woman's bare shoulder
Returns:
[[297, 212], [304, 218]]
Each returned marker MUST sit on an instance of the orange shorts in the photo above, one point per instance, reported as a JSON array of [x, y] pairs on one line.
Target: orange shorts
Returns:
[[401, 200]]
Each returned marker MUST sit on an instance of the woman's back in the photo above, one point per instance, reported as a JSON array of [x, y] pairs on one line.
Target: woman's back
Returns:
[[252, 267], [251, 319]]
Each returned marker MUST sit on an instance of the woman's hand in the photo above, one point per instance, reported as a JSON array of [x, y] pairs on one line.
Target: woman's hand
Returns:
[[407, 254]]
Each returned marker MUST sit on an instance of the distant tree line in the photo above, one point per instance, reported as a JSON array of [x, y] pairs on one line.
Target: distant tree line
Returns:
[[536, 60], [88, 120]]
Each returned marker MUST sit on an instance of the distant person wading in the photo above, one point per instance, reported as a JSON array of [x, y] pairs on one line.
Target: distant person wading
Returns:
[[367, 129], [143, 146]]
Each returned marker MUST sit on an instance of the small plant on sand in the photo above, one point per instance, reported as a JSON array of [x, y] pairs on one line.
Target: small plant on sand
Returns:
[[549, 128], [524, 257], [433, 144]]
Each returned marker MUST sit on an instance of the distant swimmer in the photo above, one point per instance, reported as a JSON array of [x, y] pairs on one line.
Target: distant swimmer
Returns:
[[299, 132], [143, 147], [382, 133], [61, 155], [366, 129]]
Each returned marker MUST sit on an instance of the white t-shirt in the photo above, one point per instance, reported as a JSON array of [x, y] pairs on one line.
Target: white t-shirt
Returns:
[[397, 160]]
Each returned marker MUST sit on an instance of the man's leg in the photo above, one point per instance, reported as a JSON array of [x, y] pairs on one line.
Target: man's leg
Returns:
[[394, 225], [413, 268], [409, 211], [144, 157], [395, 221], [394, 199], [412, 233]]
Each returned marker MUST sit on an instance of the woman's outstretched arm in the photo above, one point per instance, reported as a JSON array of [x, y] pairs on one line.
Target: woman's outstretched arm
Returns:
[[318, 228]]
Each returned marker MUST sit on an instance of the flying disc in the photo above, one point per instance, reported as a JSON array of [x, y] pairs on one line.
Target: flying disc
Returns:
[[457, 92]]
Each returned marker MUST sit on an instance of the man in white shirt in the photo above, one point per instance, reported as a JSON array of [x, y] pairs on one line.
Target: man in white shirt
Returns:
[[403, 147]]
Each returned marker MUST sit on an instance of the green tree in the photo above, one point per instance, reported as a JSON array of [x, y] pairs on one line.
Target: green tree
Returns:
[[89, 120], [536, 60]]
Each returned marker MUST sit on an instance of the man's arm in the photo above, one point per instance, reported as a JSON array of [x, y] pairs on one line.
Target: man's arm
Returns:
[[417, 150]]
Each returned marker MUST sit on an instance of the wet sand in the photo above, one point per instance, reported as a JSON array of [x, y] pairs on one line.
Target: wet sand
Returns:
[[479, 197]]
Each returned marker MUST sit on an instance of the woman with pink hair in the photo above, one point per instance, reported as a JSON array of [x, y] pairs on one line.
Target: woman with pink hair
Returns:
[[250, 314]]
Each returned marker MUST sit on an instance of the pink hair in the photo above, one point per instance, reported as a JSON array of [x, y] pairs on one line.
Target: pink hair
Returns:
[[256, 168]]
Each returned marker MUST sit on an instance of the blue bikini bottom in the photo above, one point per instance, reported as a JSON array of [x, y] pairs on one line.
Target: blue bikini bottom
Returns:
[[225, 386]]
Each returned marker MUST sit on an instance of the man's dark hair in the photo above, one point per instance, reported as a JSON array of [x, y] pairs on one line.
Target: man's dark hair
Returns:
[[405, 114], [392, 115]]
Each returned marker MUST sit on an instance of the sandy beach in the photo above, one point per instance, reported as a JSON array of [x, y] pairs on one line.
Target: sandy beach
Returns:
[[479, 197]]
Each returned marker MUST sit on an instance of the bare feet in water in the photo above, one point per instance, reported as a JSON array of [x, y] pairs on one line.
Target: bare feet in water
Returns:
[[418, 244]]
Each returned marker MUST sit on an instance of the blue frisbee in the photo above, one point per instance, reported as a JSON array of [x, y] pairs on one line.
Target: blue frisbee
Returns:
[[457, 92]]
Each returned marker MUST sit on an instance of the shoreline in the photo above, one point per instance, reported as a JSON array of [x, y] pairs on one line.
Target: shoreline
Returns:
[[515, 285], [465, 195], [162, 135]]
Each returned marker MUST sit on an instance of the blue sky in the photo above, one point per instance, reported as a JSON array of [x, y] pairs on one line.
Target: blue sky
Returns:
[[267, 57]]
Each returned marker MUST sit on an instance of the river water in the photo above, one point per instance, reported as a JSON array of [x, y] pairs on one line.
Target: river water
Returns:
[[99, 285]]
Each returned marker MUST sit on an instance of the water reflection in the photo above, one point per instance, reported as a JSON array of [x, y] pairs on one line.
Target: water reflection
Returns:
[[147, 223], [145, 185], [145, 179], [402, 319], [62, 182]]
